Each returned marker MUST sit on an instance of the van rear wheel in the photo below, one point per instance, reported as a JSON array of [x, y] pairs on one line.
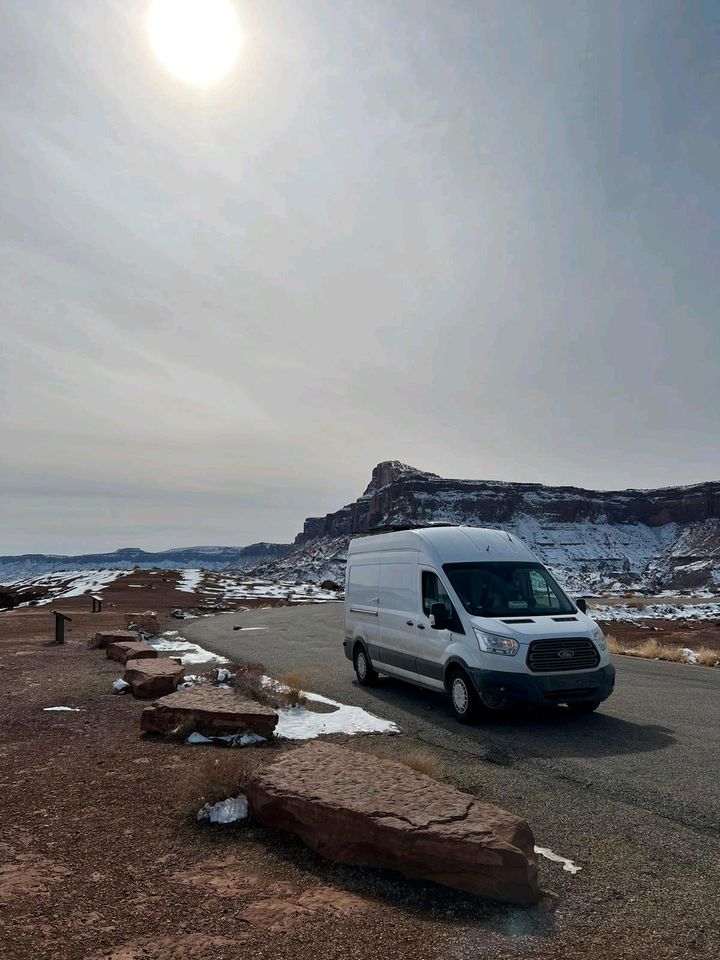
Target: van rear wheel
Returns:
[[464, 698], [366, 674]]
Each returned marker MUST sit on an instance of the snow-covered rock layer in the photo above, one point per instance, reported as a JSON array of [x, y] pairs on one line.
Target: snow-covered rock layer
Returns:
[[594, 540]]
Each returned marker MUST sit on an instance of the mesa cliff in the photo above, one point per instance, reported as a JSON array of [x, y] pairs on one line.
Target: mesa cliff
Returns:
[[665, 538]]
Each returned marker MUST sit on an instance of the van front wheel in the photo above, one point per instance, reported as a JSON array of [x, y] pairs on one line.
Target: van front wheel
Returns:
[[366, 674], [464, 699]]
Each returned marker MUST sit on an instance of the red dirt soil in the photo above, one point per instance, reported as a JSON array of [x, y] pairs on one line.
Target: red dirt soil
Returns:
[[100, 857]]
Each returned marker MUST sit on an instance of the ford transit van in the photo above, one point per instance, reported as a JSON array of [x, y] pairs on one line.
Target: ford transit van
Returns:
[[474, 613]]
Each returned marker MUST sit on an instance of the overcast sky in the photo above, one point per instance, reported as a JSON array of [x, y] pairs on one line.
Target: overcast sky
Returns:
[[480, 237]]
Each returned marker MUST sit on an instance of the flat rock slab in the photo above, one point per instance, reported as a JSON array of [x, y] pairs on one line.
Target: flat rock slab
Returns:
[[153, 678], [125, 650], [355, 808], [105, 637], [215, 712]]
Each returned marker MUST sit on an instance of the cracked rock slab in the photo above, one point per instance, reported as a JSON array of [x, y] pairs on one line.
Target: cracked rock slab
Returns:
[[153, 678], [355, 808], [214, 712], [125, 650], [103, 638]]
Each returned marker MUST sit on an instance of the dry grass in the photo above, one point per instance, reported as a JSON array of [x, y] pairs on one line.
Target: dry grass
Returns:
[[613, 644], [707, 656], [247, 680], [421, 762], [215, 777], [183, 730], [652, 649], [295, 684]]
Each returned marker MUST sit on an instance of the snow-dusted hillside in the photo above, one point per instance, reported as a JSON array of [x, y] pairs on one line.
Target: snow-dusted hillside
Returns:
[[593, 540], [209, 558]]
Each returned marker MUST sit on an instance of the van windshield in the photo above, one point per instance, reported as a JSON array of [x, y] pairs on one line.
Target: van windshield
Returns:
[[507, 589]]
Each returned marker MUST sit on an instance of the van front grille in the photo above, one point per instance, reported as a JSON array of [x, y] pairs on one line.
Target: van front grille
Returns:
[[553, 656]]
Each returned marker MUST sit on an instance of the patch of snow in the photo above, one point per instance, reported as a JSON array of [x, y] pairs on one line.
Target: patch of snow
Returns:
[[63, 709], [230, 739], [190, 581], [567, 865], [299, 723], [689, 656], [226, 811], [657, 611], [121, 686], [188, 652], [68, 583]]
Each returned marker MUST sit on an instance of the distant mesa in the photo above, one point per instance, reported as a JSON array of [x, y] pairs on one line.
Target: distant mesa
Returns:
[[646, 540]]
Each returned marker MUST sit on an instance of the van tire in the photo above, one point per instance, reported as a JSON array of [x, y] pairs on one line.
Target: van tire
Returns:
[[464, 698], [367, 675]]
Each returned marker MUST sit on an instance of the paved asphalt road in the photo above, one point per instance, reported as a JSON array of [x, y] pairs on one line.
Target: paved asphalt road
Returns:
[[631, 793]]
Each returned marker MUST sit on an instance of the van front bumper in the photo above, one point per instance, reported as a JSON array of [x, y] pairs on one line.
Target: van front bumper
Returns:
[[498, 689]]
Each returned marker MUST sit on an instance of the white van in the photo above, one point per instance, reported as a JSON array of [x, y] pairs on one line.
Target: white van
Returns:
[[472, 612]]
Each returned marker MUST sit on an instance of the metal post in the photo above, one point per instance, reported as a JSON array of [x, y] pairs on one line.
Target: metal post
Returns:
[[96, 604], [60, 619]]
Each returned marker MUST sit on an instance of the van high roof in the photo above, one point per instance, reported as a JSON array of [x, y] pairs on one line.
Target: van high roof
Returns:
[[448, 544]]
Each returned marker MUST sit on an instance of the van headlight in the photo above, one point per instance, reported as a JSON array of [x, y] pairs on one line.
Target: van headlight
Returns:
[[598, 638], [490, 643]]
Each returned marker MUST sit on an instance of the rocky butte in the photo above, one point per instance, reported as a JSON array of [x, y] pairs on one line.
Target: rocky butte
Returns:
[[649, 540]]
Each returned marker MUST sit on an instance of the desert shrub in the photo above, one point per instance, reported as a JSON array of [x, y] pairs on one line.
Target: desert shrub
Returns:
[[293, 684], [422, 763], [183, 730], [247, 679], [707, 656], [216, 776]]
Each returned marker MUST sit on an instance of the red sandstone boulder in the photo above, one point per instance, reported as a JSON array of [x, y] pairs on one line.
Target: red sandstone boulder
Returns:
[[130, 650], [215, 712], [153, 678], [147, 621], [104, 637], [355, 808]]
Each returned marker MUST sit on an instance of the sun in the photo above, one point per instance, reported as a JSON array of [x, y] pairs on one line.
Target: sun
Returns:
[[198, 41]]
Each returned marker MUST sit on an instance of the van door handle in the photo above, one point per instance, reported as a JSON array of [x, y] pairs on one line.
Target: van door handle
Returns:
[[421, 626], [409, 623]]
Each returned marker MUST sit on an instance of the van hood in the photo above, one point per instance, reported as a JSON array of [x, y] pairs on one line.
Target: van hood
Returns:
[[525, 629]]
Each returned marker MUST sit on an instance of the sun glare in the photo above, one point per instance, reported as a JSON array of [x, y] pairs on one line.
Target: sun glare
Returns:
[[196, 40]]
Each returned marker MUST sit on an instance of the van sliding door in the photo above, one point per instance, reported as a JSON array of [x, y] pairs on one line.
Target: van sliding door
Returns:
[[398, 615]]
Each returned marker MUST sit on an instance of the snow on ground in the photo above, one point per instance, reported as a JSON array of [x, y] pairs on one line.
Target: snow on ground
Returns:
[[61, 709], [68, 583], [172, 643], [657, 611], [299, 723], [567, 865], [228, 587], [189, 581]]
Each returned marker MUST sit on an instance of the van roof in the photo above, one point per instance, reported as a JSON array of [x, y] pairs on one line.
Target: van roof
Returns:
[[448, 544]]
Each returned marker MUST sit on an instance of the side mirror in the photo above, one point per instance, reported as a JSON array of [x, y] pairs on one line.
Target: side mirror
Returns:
[[439, 617], [581, 605]]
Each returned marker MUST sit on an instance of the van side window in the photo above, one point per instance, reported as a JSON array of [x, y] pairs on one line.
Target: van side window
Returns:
[[434, 592]]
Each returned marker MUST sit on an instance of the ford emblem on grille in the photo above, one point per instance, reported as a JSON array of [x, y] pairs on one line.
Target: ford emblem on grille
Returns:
[[566, 654]]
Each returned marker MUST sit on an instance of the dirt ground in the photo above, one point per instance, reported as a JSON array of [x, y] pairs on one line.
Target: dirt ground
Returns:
[[674, 633], [101, 858]]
